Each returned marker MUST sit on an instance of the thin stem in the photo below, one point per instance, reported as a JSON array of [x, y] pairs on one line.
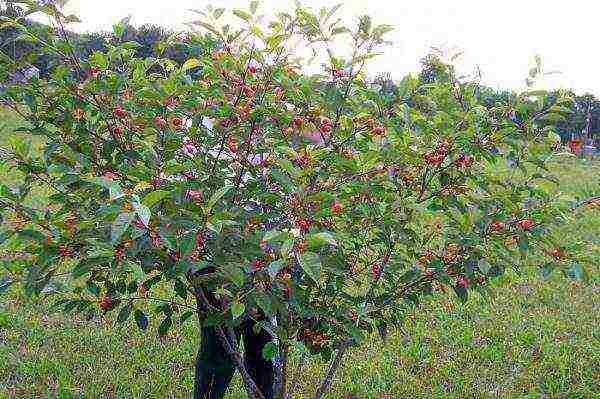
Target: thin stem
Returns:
[[328, 379]]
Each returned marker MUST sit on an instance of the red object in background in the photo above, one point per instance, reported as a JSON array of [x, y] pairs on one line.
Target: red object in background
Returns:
[[576, 146]]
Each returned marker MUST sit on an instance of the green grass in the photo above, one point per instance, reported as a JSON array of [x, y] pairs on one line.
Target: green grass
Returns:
[[535, 339]]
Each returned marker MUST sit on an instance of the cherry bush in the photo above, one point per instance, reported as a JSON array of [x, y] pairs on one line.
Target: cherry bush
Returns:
[[237, 186]]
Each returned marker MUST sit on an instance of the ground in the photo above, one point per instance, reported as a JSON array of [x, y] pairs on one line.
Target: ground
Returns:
[[535, 338]]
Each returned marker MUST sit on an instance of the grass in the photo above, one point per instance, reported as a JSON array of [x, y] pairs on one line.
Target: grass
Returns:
[[535, 339]]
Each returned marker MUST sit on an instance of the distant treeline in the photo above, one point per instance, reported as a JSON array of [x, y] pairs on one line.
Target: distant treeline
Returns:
[[149, 37], [585, 121]]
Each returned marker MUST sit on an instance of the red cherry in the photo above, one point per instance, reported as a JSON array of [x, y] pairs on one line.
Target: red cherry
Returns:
[[177, 121], [497, 226], [526, 224], [463, 282], [252, 69], [64, 251], [279, 92], [94, 72], [105, 303], [118, 131], [298, 121], [194, 195], [557, 254], [379, 130], [232, 144], [111, 175], [376, 271], [200, 241], [465, 161], [338, 73], [160, 121], [120, 112], [258, 265], [248, 92], [325, 129], [304, 224], [337, 208], [435, 158]]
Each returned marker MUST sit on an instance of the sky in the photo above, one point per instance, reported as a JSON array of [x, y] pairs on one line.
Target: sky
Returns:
[[500, 37]]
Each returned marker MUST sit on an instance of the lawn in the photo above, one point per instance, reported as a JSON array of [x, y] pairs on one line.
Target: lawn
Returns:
[[535, 338]]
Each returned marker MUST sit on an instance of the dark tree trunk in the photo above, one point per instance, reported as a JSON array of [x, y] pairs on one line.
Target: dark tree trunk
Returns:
[[215, 369]]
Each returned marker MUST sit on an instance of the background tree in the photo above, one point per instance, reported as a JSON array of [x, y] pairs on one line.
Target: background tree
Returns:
[[235, 187]]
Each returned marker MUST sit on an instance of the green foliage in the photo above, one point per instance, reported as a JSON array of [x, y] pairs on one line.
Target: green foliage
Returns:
[[316, 199]]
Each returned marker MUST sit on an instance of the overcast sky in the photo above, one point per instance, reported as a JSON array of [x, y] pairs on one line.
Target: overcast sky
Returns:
[[501, 37]]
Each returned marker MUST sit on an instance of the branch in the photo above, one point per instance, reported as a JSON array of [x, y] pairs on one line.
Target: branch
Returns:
[[227, 338], [333, 366]]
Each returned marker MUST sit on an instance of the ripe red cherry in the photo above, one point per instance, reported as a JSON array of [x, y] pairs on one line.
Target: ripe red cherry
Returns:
[[304, 224], [105, 303], [463, 282], [200, 241], [557, 254], [378, 130], [279, 92], [435, 158], [526, 224], [252, 69], [338, 73], [248, 92], [177, 121], [94, 72], [465, 161], [118, 131], [337, 208], [497, 226], [232, 144], [160, 121], [120, 112], [64, 251], [258, 265], [376, 271], [298, 121]]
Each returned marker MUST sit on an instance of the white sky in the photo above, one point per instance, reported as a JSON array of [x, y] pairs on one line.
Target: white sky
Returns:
[[500, 36]]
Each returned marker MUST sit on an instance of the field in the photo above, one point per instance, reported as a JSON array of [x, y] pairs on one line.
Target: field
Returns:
[[535, 339]]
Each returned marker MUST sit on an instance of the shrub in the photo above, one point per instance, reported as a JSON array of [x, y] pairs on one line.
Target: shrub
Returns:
[[318, 205]]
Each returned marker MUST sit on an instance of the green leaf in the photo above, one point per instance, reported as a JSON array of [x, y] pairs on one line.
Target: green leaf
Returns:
[[576, 272], [190, 64], [93, 288], [484, 266], [217, 196], [154, 197], [269, 351], [143, 213], [461, 292], [141, 319], [242, 14], [5, 284], [275, 267], [99, 60], [124, 314], [286, 247], [119, 226], [272, 235], [33, 235], [311, 264], [237, 309], [184, 317], [322, 238], [164, 326]]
